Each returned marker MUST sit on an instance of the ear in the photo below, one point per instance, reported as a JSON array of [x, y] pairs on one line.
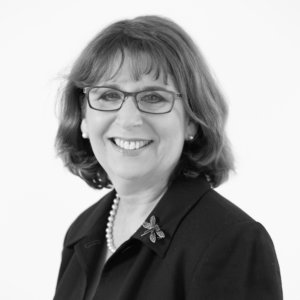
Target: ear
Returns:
[[191, 129], [83, 127]]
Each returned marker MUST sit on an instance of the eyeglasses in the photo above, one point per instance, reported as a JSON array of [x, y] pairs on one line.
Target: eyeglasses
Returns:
[[152, 101]]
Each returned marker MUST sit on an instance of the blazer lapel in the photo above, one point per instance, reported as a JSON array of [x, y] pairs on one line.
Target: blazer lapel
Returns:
[[87, 237], [87, 243], [180, 198], [89, 252]]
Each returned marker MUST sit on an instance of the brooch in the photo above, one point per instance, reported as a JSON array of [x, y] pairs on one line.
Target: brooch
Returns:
[[153, 229]]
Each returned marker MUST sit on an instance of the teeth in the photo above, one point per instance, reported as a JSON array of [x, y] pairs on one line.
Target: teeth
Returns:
[[131, 145]]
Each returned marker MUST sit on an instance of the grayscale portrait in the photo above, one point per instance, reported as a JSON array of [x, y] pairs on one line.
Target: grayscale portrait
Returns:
[[142, 115]]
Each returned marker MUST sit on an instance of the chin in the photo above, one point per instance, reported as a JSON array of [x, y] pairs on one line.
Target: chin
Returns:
[[129, 172], [129, 176]]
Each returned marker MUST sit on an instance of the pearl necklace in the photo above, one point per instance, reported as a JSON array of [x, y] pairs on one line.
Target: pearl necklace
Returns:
[[110, 223]]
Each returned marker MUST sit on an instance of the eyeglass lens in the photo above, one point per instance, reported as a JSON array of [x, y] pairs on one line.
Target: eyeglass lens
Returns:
[[107, 99]]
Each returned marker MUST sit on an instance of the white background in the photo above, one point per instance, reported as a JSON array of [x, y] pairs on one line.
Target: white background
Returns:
[[253, 48]]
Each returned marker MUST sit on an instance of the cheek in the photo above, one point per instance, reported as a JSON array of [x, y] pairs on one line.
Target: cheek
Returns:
[[172, 136], [97, 123], [97, 126]]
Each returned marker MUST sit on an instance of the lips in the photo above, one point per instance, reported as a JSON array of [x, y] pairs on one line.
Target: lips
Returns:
[[130, 144]]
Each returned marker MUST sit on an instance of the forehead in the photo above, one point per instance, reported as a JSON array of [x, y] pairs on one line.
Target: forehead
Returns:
[[135, 67]]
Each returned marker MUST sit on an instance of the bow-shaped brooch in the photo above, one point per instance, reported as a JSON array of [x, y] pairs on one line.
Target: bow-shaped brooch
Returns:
[[153, 229]]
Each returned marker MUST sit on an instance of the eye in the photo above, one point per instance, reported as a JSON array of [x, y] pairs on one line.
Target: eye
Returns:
[[105, 94], [111, 96], [152, 97]]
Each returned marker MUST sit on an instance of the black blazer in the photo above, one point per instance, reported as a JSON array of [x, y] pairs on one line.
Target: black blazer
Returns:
[[211, 250]]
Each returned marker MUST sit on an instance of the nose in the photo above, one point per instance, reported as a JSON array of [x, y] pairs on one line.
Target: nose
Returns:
[[129, 115]]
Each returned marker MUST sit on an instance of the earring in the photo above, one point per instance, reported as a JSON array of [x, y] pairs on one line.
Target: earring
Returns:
[[84, 135], [190, 137]]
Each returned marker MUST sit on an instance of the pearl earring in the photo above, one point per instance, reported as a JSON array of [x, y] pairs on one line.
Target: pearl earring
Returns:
[[84, 135], [190, 137]]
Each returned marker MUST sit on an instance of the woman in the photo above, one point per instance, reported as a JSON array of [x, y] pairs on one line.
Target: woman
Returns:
[[142, 114]]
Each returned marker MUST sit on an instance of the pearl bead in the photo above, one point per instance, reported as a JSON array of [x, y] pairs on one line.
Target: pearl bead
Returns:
[[109, 226]]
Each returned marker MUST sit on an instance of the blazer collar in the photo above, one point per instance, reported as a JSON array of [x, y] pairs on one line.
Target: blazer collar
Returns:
[[89, 228], [87, 234], [179, 199]]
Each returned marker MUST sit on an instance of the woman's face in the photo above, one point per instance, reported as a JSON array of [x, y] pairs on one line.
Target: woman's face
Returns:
[[164, 134]]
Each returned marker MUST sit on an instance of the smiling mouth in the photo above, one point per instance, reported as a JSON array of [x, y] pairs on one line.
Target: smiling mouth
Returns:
[[130, 144]]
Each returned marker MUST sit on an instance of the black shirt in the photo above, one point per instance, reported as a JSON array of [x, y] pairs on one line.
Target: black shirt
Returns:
[[211, 250]]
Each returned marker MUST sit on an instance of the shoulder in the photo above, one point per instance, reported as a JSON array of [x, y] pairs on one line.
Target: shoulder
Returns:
[[232, 255], [223, 209], [214, 212], [224, 216], [214, 217], [216, 232], [82, 225]]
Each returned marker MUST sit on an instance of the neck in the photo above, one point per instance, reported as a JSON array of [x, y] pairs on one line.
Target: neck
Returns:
[[137, 196]]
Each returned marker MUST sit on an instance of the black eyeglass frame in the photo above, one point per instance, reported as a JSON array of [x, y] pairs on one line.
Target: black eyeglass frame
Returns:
[[87, 89]]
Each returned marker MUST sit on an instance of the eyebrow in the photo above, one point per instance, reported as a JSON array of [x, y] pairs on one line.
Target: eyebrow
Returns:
[[144, 88]]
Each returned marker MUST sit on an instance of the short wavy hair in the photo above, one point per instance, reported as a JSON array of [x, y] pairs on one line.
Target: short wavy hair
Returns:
[[168, 50]]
